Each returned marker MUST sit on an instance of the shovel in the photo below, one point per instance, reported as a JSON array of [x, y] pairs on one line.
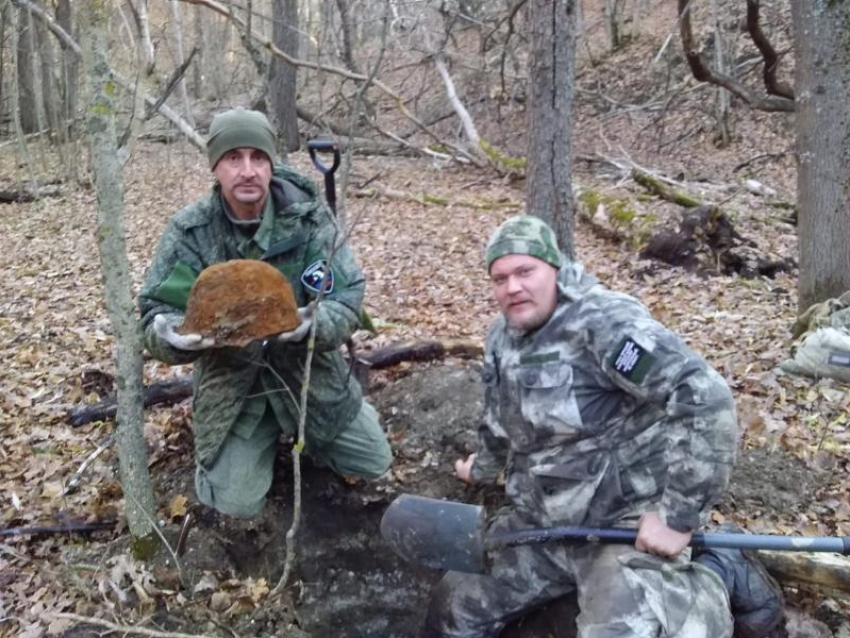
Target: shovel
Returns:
[[326, 146], [449, 535]]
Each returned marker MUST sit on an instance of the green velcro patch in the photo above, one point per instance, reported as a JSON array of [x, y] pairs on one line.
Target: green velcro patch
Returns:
[[175, 290], [632, 360], [542, 357]]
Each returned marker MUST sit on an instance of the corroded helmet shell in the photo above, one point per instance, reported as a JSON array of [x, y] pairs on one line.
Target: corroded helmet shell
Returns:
[[240, 301]]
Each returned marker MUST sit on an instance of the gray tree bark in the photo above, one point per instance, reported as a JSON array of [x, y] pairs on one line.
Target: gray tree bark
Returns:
[[283, 76], [822, 47], [100, 122], [26, 77], [70, 65], [52, 105], [550, 87], [347, 28], [198, 66]]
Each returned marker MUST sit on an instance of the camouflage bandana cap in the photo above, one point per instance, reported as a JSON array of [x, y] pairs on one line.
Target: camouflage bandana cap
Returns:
[[240, 128], [524, 235]]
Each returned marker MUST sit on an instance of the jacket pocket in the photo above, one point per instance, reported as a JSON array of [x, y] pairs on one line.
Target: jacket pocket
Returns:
[[547, 398], [566, 491]]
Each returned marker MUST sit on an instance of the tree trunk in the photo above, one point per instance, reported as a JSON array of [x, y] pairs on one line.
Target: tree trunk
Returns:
[[550, 86], [100, 120], [177, 15], [200, 40], [52, 106], [347, 35], [26, 78], [70, 65], [822, 46], [283, 76]]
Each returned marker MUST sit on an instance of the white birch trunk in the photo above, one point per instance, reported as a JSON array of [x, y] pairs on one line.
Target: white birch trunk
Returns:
[[100, 122]]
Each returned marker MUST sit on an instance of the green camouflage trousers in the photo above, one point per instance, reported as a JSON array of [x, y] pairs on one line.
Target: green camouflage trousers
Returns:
[[240, 478], [621, 592]]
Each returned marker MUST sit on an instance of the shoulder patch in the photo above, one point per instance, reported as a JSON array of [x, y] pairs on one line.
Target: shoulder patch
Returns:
[[839, 358], [315, 274], [632, 361]]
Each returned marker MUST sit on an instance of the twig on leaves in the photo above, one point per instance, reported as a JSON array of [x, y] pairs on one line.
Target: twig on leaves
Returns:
[[74, 483], [125, 629]]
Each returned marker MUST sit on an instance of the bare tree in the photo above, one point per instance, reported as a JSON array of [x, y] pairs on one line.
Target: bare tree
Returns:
[[347, 28], [551, 84], [70, 64], [282, 75], [100, 117], [26, 77], [821, 37]]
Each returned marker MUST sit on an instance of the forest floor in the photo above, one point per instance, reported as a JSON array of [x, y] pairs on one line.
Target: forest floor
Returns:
[[426, 280]]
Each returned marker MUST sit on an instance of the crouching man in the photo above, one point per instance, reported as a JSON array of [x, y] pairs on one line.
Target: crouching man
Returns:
[[599, 416], [245, 397]]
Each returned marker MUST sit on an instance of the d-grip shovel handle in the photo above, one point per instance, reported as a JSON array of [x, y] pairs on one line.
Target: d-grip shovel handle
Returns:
[[324, 146], [834, 544], [450, 535]]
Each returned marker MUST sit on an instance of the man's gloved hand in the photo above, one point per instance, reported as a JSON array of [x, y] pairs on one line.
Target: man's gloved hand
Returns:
[[306, 314], [191, 342]]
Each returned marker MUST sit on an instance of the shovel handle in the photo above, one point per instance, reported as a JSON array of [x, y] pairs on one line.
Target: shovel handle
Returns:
[[834, 544], [324, 146]]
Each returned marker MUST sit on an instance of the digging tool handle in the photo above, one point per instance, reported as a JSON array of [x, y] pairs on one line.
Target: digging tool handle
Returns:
[[326, 146], [837, 544]]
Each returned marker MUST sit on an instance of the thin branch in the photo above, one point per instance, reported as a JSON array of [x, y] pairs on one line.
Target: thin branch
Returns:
[[125, 629], [191, 134], [771, 58], [72, 485], [350, 75], [704, 73]]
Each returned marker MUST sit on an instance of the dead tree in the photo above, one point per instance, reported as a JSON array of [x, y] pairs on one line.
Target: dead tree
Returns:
[[779, 97]]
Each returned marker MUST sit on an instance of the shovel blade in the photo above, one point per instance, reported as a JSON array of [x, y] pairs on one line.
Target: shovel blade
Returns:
[[436, 534]]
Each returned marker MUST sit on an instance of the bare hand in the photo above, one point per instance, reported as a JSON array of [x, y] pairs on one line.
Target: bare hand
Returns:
[[190, 342], [654, 537], [306, 315], [463, 469]]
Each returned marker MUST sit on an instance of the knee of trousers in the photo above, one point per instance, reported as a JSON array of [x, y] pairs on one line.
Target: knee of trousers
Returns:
[[456, 612]]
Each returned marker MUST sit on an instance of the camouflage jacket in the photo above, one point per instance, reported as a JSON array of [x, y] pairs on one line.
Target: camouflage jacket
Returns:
[[295, 237], [602, 414]]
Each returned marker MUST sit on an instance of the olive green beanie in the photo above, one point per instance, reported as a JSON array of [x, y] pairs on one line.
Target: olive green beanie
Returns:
[[524, 235], [240, 128]]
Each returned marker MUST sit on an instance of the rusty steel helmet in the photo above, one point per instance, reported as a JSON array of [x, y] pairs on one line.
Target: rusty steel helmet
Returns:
[[239, 301]]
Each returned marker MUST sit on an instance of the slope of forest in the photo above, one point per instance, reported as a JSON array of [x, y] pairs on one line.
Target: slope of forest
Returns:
[[419, 227]]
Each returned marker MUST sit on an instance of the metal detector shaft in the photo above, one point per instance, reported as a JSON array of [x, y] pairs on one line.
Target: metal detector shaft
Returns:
[[326, 146], [837, 544]]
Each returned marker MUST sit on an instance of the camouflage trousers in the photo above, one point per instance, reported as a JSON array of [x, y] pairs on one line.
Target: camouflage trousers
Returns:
[[240, 478], [621, 592]]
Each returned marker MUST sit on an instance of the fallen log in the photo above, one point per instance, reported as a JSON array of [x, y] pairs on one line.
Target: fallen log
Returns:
[[823, 570], [180, 388]]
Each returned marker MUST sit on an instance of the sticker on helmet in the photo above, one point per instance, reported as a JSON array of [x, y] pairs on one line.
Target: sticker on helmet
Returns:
[[315, 273]]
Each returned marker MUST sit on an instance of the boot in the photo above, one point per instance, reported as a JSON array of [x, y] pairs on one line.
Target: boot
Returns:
[[755, 597]]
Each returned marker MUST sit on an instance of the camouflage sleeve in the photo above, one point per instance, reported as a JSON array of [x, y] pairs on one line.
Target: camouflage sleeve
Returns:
[[339, 312], [649, 362], [175, 266], [493, 444]]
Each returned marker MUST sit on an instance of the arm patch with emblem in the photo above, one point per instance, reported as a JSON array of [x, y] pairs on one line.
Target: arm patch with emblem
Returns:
[[315, 274], [632, 361]]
